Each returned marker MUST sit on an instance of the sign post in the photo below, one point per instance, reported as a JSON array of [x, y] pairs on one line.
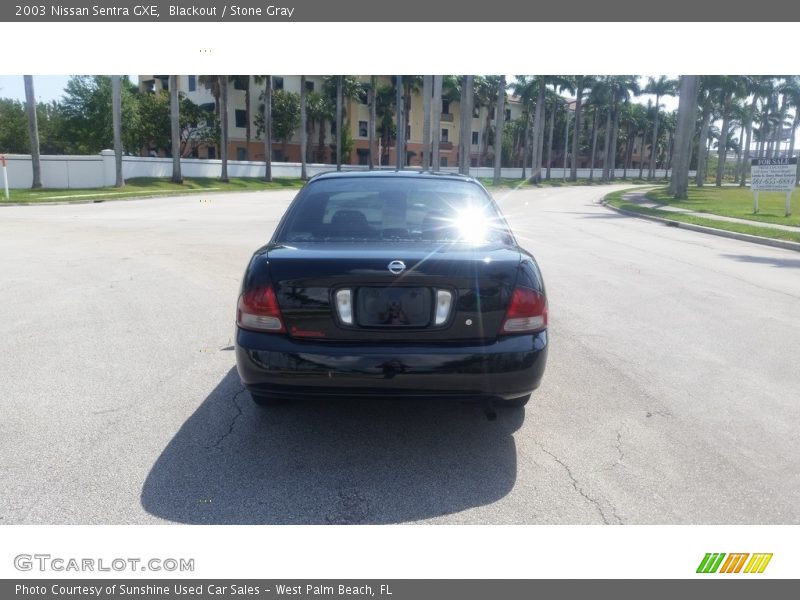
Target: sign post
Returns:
[[5, 174], [773, 175]]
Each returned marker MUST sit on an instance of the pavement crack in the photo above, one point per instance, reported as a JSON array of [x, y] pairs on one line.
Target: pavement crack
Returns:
[[618, 446], [579, 489], [217, 445]]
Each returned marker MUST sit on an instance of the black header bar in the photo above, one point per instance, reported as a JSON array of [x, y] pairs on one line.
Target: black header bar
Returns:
[[495, 11]]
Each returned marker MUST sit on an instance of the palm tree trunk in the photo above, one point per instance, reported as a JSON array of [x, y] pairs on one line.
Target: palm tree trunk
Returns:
[[526, 143], [427, 85], [373, 95], [223, 109], [437, 120], [746, 149], [538, 124], [116, 117], [465, 141], [606, 146], [684, 135], [566, 143], [500, 119], [641, 153], [540, 142], [612, 155], [401, 134], [303, 127], [628, 151], [550, 139], [576, 134], [700, 177], [740, 153], [723, 138], [339, 102], [175, 128], [594, 145], [268, 128], [247, 128], [654, 149], [33, 131]]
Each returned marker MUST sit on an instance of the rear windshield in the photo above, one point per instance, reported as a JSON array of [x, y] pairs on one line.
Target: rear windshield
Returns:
[[393, 208]]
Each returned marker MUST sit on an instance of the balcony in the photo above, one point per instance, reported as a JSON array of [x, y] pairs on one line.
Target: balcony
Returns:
[[447, 118], [445, 145]]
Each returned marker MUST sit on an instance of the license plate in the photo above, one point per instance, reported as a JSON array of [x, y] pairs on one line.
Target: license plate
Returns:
[[393, 307]]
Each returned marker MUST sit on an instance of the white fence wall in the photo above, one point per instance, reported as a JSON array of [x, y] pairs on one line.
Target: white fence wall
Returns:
[[99, 171]]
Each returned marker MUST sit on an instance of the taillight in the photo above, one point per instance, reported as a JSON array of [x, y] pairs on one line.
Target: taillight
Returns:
[[527, 312], [258, 309]]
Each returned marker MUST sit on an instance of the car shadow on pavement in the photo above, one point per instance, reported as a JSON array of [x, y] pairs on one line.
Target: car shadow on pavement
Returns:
[[785, 263], [335, 462]]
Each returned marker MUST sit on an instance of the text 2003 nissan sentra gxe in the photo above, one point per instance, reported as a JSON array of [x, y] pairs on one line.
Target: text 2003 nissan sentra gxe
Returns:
[[392, 284]]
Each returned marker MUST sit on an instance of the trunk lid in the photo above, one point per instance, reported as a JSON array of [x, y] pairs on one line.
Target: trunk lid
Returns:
[[386, 306]]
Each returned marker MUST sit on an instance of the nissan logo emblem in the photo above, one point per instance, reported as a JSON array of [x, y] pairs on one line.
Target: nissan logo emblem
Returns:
[[397, 266]]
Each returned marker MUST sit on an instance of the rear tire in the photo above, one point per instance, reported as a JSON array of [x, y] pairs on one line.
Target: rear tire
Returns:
[[515, 402], [263, 400]]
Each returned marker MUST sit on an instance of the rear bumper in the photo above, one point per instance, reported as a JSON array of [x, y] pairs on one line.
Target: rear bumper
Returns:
[[277, 366]]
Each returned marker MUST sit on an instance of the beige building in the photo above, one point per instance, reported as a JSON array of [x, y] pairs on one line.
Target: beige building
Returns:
[[356, 118]]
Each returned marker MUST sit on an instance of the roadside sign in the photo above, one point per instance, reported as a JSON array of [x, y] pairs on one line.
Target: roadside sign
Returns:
[[773, 175]]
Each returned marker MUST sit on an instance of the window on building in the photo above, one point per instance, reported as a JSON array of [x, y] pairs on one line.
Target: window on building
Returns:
[[192, 83], [476, 112], [508, 114], [240, 82], [363, 97], [474, 138], [408, 132], [442, 161], [309, 86], [241, 153], [212, 152], [277, 83], [445, 135], [491, 115], [445, 107], [333, 127], [241, 117], [363, 129], [363, 156]]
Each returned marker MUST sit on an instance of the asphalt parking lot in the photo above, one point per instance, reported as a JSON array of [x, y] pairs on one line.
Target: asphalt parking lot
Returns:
[[670, 394]]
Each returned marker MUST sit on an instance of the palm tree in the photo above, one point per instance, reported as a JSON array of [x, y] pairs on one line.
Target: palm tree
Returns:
[[268, 127], [303, 128], [500, 116], [621, 87], [33, 131], [708, 83], [581, 83], [339, 103], [437, 119], [373, 98], [427, 85], [662, 86], [598, 99], [116, 117], [792, 90], [175, 129], [465, 138], [223, 109], [684, 134], [485, 97], [400, 135], [731, 86]]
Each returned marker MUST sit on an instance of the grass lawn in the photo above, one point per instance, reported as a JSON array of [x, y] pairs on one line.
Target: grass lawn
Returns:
[[735, 202], [615, 199], [150, 186], [507, 183]]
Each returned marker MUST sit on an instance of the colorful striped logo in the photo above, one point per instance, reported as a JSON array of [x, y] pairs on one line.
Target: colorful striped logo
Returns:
[[733, 563]]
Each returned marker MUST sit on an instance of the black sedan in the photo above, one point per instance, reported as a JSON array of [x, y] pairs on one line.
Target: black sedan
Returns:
[[380, 284]]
